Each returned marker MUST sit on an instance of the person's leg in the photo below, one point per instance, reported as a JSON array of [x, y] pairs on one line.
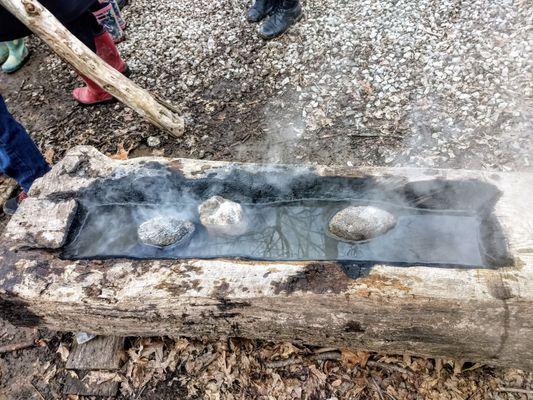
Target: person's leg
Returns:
[[285, 14], [4, 52], [19, 157], [18, 55], [87, 29], [260, 10], [108, 15]]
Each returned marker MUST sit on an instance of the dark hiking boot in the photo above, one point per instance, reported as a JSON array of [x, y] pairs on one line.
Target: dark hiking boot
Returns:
[[260, 10], [284, 15], [11, 206]]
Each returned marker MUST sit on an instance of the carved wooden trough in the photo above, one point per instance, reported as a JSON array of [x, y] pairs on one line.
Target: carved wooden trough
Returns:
[[457, 281]]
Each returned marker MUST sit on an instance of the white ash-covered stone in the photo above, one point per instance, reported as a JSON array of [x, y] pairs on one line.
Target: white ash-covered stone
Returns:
[[359, 223], [164, 231], [222, 216], [153, 141]]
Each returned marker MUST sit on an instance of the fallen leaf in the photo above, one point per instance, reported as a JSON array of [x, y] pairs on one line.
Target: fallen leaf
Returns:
[[350, 359], [286, 349], [100, 377], [122, 153], [63, 351], [49, 155]]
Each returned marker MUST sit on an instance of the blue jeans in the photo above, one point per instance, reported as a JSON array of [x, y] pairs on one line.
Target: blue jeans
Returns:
[[19, 157]]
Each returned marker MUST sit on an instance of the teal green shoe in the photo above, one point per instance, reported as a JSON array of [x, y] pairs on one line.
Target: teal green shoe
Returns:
[[4, 52], [18, 55]]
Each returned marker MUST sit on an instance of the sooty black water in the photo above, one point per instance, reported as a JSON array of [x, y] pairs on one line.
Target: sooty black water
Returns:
[[439, 222]]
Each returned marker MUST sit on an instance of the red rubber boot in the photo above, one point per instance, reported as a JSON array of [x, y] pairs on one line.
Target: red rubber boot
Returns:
[[107, 51]]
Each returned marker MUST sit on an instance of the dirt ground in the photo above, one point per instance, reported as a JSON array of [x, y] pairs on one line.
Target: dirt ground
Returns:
[[351, 84], [161, 368]]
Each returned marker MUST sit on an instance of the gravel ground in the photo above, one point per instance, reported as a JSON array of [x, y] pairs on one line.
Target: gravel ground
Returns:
[[413, 82], [428, 83]]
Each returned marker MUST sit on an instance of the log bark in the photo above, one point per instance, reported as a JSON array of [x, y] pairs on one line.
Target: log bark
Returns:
[[481, 314], [39, 20]]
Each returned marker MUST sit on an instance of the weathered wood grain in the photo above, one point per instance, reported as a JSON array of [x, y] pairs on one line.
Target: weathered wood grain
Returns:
[[39, 20], [100, 353], [482, 315]]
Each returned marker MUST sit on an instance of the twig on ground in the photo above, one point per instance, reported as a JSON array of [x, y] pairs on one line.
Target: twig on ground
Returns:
[[325, 356], [362, 135], [283, 363], [330, 355], [389, 367], [326, 350], [37, 391], [378, 388], [514, 390], [140, 392], [16, 346]]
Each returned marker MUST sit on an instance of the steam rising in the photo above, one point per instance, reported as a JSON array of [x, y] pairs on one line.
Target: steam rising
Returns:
[[288, 211]]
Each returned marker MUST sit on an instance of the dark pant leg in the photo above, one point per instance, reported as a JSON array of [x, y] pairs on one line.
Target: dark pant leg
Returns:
[[85, 28], [19, 157], [290, 3]]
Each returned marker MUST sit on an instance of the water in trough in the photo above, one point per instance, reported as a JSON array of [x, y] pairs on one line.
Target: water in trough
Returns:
[[437, 223]]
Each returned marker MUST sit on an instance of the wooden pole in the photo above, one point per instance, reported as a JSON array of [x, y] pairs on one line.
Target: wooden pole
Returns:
[[38, 19]]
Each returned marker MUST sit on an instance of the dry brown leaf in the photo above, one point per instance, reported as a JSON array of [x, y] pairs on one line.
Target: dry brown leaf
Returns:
[[286, 349], [63, 351], [99, 377], [473, 367], [49, 155], [325, 350], [407, 360], [122, 153], [316, 372], [350, 359], [336, 383], [458, 367], [438, 365]]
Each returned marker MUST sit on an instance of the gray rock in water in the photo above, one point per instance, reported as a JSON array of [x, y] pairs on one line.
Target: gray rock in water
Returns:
[[222, 217], [164, 231], [358, 223]]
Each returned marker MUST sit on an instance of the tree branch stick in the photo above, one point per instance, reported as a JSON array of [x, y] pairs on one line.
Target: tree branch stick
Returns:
[[8, 348]]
